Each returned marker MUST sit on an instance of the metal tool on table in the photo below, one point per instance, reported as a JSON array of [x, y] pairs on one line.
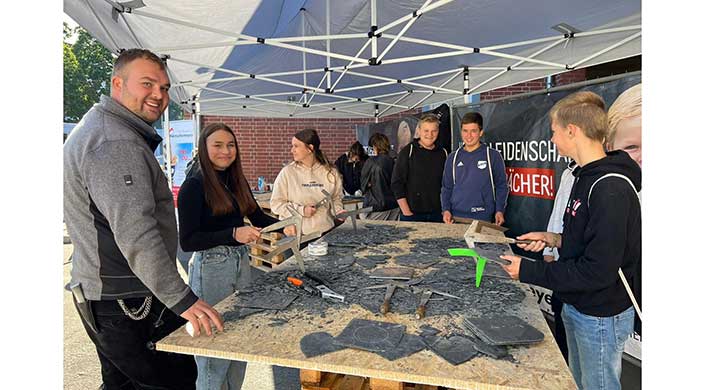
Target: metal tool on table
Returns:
[[353, 215], [320, 290], [390, 288], [322, 286], [426, 294]]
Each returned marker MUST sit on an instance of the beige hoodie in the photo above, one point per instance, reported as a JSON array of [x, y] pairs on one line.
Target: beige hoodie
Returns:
[[299, 186]]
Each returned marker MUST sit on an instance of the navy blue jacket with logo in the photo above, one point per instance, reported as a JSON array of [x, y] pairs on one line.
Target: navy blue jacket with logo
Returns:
[[597, 240]]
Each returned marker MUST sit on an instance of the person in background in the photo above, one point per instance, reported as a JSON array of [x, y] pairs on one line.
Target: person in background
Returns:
[[349, 165], [623, 132], [213, 203], [376, 181], [601, 236], [417, 174], [119, 212], [299, 185], [624, 120], [474, 178]]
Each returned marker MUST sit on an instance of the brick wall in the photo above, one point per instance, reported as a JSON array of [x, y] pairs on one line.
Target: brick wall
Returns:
[[265, 142], [573, 76]]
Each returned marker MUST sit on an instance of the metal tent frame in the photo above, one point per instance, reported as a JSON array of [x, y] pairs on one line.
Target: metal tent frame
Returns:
[[376, 80]]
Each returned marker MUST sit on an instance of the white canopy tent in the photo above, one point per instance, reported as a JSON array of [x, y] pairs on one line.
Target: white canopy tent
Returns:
[[354, 58]]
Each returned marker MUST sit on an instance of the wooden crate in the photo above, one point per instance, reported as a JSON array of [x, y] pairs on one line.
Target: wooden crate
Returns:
[[317, 380], [263, 246]]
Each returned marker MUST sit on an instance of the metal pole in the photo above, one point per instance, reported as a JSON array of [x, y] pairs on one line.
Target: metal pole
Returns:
[[167, 139]]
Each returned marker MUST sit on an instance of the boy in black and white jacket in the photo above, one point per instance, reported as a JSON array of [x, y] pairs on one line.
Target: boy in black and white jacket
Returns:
[[598, 277]]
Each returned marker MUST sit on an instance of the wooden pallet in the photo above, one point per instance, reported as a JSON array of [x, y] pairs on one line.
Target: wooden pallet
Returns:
[[318, 380], [263, 246]]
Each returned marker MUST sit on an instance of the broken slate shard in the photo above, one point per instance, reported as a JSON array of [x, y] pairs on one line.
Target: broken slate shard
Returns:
[[503, 330], [239, 313], [493, 351], [272, 301], [371, 335], [455, 349], [427, 330], [416, 260], [409, 345], [399, 273], [319, 343]]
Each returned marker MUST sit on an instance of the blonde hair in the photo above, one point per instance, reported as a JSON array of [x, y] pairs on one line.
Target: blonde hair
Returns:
[[627, 105], [430, 118], [584, 109]]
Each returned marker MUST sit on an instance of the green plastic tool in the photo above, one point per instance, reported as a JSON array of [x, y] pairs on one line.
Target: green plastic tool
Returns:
[[481, 261]]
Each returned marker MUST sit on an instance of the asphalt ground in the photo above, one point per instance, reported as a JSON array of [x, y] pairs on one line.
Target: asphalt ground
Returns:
[[82, 368]]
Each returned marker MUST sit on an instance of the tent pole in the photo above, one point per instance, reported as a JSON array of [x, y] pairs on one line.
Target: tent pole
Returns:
[[396, 101], [402, 32], [105, 30], [327, 74], [167, 139], [303, 53], [605, 50], [419, 11], [428, 95], [373, 27], [246, 37]]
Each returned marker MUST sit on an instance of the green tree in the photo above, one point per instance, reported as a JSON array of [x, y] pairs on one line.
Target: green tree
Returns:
[[88, 66], [87, 69]]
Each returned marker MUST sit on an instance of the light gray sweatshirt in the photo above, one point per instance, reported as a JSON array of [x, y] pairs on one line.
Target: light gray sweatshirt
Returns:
[[119, 210]]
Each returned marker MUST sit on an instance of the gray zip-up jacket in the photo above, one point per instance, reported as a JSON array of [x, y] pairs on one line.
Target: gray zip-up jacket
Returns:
[[119, 210]]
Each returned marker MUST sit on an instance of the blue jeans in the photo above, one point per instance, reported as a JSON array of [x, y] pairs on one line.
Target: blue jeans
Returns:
[[214, 274], [427, 217], [595, 346]]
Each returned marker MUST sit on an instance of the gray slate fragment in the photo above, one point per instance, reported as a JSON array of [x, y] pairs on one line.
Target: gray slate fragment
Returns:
[[409, 345], [503, 330], [239, 313], [455, 349], [421, 261], [427, 330], [371, 335], [319, 343]]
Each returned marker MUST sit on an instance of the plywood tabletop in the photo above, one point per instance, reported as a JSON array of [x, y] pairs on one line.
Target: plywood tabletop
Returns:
[[262, 337]]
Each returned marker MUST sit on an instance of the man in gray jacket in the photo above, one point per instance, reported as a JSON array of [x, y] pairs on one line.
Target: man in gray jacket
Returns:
[[119, 212]]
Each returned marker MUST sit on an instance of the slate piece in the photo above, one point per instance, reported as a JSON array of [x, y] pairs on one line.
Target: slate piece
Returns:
[[503, 330], [427, 330], [492, 270], [319, 343], [455, 349], [366, 263], [493, 351], [240, 312], [380, 259], [422, 261], [492, 251], [371, 335], [272, 301], [409, 345], [345, 261], [392, 273]]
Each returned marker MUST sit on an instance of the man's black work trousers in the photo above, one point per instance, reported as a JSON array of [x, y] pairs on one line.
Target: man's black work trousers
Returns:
[[126, 349]]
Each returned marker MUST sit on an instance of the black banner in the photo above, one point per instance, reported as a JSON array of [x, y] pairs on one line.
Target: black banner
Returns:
[[401, 131], [520, 130]]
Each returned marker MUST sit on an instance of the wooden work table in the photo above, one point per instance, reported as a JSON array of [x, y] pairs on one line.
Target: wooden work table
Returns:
[[539, 366]]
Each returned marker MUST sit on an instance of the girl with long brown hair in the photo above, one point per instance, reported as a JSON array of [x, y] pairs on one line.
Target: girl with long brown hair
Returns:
[[299, 185], [212, 204]]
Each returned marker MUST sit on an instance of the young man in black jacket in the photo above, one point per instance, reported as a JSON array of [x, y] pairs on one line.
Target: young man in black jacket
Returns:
[[418, 172], [601, 236]]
